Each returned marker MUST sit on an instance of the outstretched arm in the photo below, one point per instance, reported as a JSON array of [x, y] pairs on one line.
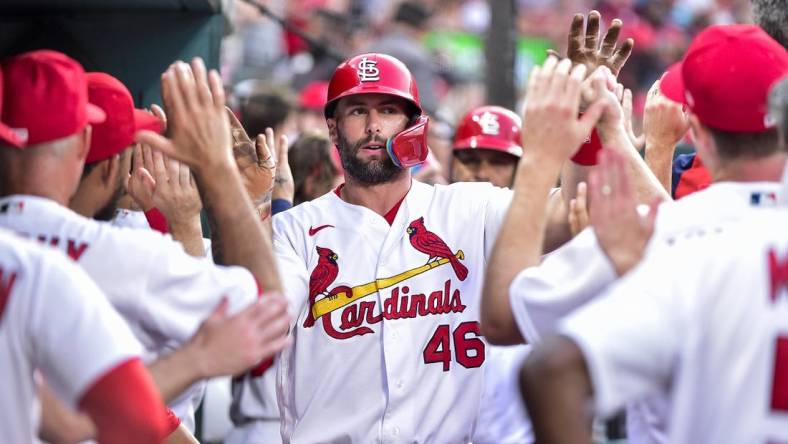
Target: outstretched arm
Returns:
[[551, 134], [199, 133]]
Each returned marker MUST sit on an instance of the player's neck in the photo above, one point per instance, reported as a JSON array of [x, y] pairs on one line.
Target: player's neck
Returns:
[[378, 198], [765, 169]]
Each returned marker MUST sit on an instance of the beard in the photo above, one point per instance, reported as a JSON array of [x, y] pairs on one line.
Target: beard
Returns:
[[107, 213], [372, 172]]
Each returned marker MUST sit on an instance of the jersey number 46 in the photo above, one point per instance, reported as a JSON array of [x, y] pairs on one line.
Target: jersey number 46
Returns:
[[468, 351]]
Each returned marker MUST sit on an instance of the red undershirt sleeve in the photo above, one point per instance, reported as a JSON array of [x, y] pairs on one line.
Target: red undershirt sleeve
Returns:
[[126, 407]]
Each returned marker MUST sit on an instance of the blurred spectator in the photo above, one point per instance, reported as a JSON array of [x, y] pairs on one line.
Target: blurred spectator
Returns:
[[404, 40], [314, 172], [311, 101], [271, 108]]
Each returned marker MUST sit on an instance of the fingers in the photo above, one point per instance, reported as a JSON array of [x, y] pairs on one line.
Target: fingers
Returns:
[[184, 80], [184, 174], [203, 93], [575, 42], [282, 151], [157, 142], [573, 85], [270, 140], [136, 157], [217, 89], [622, 54], [592, 31], [159, 113], [171, 97], [610, 39], [160, 168], [551, 52], [619, 91], [559, 78], [264, 151]]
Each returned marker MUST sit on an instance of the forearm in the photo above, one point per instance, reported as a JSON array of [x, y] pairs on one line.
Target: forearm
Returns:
[[518, 246], [556, 394], [174, 373], [645, 184], [659, 159], [181, 435], [238, 236], [189, 234], [60, 424]]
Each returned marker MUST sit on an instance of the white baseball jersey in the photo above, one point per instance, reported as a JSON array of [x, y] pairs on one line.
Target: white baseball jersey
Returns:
[[391, 351], [130, 219], [52, 318], [579, 271], [162, 293], [705, 321]]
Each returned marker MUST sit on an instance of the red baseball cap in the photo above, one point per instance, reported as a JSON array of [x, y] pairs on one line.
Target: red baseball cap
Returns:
[[314, 96], [123, 120], [50, 97], [726, 75], [7, 135]]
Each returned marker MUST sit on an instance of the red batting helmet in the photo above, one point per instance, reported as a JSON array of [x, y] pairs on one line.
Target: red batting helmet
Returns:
[[372, 73], [491, 128]]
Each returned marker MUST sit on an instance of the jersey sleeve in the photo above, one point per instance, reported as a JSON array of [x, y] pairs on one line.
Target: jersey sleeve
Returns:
[[631, 336], [566, 279], [497, 205], [295, 276], [77, 335], [180, 291]]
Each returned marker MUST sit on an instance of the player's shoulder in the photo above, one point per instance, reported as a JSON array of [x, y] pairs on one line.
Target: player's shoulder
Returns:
[[306, 213], [470, 194], [34, 259]]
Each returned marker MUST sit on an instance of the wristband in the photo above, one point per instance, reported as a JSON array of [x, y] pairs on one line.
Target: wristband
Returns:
[[589, 150], [279, 205]]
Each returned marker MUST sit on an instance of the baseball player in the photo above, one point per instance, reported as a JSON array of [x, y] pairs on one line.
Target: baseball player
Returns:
[[656, 333], [487, 146], [55, 320], [162, 293], [487, 149], [383, 278], [736, 143]]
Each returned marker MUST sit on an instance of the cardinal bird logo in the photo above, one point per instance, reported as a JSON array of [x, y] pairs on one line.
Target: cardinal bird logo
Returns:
[[430, 244], [322, 276]]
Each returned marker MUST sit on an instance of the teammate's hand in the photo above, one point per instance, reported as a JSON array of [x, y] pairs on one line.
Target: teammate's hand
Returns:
[[621, 232], [584, 48], [664, 121], [141, 183], [602, 88], [199, 133], [578, 210], [626, 105], [284, 184], [255, 161], [175, 194], [551, 129], [230, 345]]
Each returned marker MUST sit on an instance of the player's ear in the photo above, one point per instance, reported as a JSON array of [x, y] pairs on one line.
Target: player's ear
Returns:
[[331, 122], [110, 169]]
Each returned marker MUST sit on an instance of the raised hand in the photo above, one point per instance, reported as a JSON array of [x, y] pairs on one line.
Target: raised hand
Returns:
[[622, 233], [551, 128], [584, 48], [626, 105], [197, 125], [141, 184], [284, 184], [255, 161], [664, 121], [229, 345], [578, 210], [175, 194]]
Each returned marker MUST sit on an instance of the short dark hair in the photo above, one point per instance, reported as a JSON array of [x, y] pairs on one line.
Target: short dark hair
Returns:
[[734, 145], [267, 109], [309, 154], [772, 17]]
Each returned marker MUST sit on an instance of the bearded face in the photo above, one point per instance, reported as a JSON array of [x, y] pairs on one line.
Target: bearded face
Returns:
[[370, 171]]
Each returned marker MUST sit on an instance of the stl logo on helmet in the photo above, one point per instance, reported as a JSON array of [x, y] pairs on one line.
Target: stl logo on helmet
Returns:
[[368, 70], [489, 124]]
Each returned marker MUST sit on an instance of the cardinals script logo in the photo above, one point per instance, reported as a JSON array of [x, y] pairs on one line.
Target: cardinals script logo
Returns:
[[401, 302], [368, 70]]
